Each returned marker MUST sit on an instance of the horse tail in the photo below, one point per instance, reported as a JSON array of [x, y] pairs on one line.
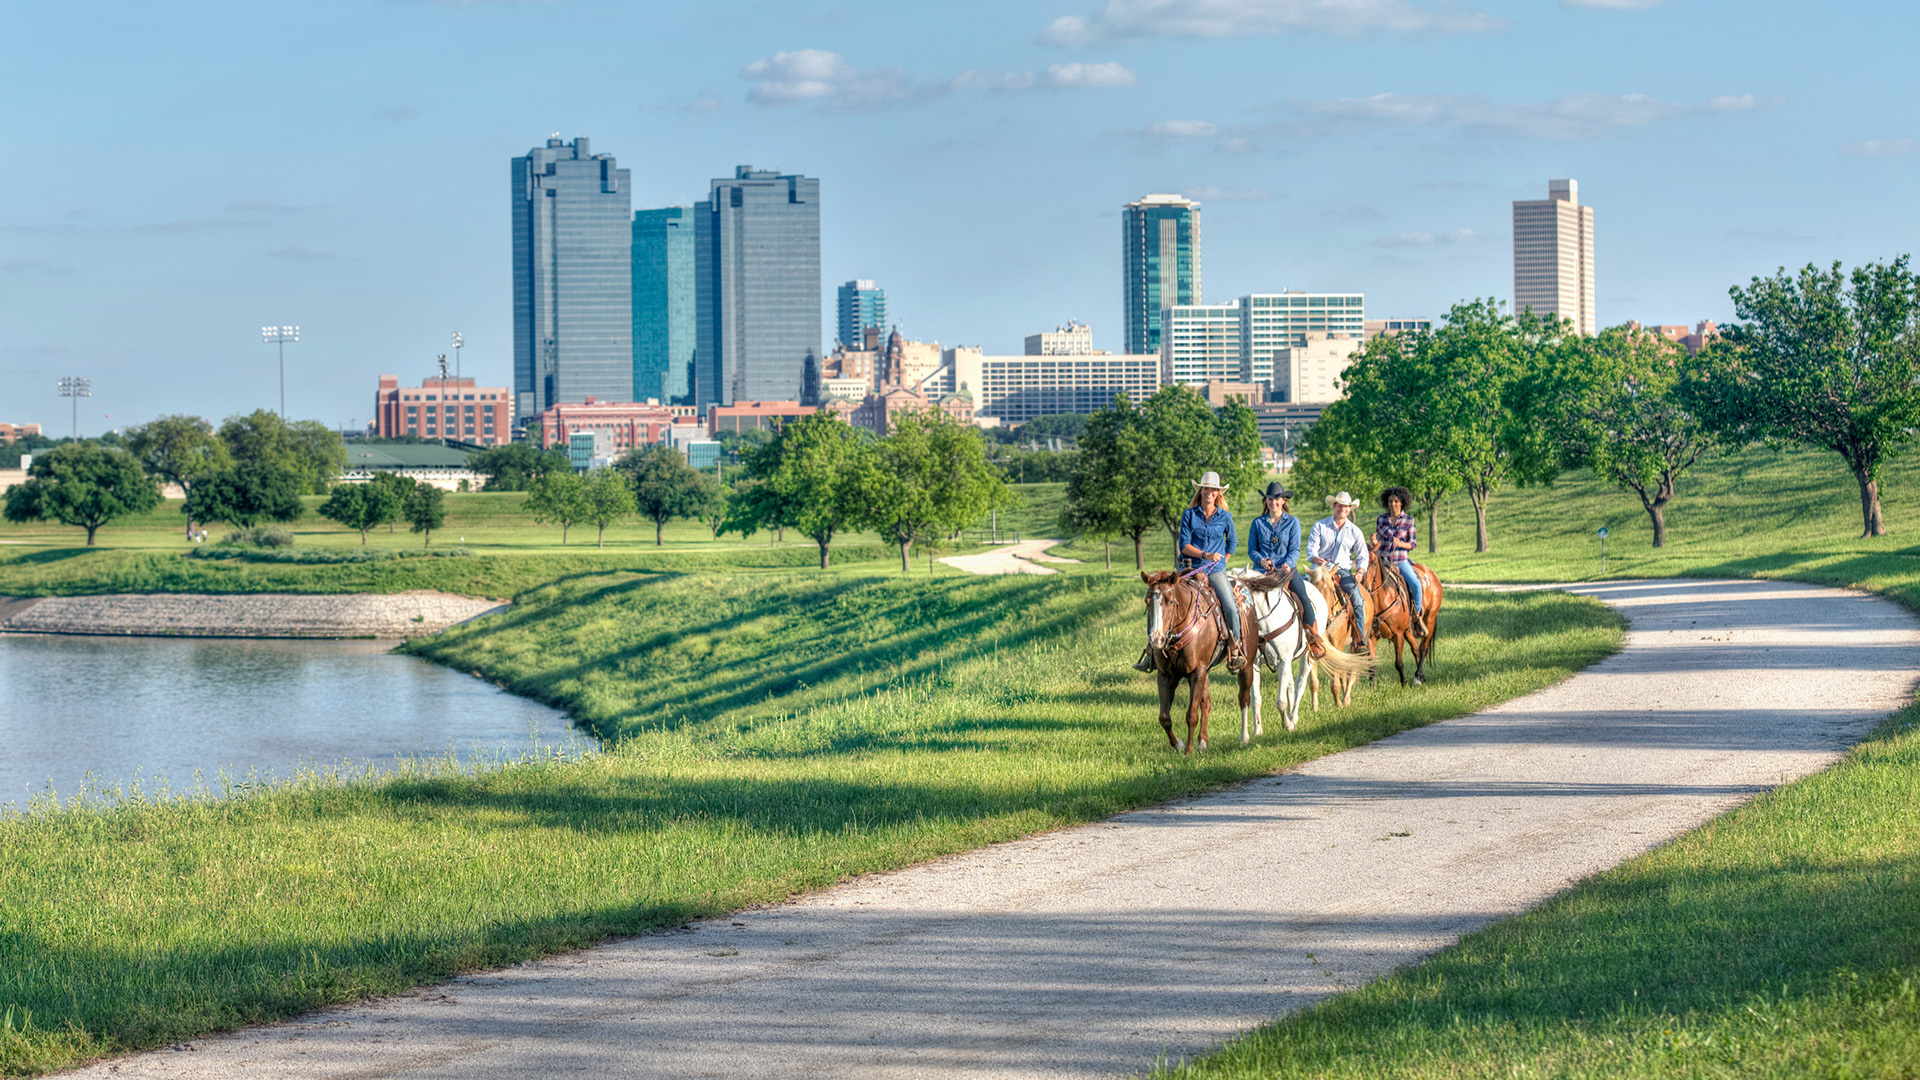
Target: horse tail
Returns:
[[1353, 665]]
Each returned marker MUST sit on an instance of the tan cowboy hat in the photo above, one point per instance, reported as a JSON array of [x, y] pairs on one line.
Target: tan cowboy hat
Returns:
[[1342, 499], [1210, 479]]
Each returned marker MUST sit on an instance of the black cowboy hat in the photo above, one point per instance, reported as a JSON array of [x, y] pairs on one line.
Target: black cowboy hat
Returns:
[[1275, 491]]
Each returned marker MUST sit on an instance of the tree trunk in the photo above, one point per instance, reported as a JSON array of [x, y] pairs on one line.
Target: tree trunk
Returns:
[[783, 534], [659, 529], [1109, 543], [1872, 523], [363, 538], [563, 534], [1479, 519], [824, 545], [600, 539], [1433, 527], [426, 538], [91, 529], [1139, 558], [905, 546], [1657, 509]]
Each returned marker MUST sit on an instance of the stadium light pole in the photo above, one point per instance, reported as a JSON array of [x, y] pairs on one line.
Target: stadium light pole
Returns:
[[458, 341], [76, 388], [280, 335]]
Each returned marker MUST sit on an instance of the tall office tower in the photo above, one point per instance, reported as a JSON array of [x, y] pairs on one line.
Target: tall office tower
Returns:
[[663, 330], [862, 305], [756, 264], [1272, 321], [572, 282], [1161, 236], [1553, 256], [1201, 342]]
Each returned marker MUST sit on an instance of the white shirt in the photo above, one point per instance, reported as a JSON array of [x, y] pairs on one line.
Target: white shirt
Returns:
[[1337, 545]]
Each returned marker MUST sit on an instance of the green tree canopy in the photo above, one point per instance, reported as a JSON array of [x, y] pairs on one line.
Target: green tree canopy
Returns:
[[177, 448], [308, 449], [558, 498], [364, 506], [1827, 358], [516, 466], [82, 484], [807, 477], [425, 508], [927, 478], [246, 495], [664, 486], [609, 498]]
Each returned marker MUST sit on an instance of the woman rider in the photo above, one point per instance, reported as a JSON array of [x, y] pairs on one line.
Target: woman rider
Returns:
[[1394, 531], [1206, 539], [1273, 543]]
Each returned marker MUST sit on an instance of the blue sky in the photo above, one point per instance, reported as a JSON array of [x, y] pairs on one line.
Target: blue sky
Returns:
[[181, 174]]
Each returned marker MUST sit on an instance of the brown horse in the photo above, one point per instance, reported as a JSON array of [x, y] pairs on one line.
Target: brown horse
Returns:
[[1183, 636], [1393, 613], [1338, 633]]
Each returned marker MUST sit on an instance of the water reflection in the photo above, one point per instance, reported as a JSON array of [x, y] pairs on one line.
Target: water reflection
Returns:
[[120, 706]]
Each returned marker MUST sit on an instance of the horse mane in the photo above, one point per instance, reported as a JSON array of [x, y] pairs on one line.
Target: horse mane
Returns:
[[1265, 582]]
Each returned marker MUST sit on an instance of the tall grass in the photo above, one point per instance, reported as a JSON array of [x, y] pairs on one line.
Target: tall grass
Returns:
[[771, 733]]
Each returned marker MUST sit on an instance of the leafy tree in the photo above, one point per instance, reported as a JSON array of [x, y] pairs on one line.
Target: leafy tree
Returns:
[[10, 453], [558, 498], [1119, 482], [516, 466], [1826, 358], [609, 498], [1384, 431], [364, 506], [1612, 404], [308, 449], [927, 478], [808, 477], [177, 449], [425, 509], [394, 489], [665, 486], [1339, 453], [714, 514], [246, 494], [82, 484]]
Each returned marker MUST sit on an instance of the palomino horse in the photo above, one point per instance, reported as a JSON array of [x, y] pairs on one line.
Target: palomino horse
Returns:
[[1283, 640], [1183, 636], [1393, 613], [1336, 630]]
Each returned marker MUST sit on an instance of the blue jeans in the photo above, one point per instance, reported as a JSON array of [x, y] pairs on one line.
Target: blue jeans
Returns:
[[1298, 584], [1223, 588], [1412, 577], [1351, 586]]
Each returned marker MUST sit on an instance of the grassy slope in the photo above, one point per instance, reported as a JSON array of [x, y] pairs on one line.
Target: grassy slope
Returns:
[[1780, 940], [777, 732]]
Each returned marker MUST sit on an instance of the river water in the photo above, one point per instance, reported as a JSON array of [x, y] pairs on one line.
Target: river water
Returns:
[[127, 709]]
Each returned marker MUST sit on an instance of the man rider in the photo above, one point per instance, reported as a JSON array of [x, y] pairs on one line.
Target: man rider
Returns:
[[1337, 542]]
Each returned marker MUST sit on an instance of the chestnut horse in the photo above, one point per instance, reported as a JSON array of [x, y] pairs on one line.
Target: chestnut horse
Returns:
[[1393, 613], [1337, 633], [1183, 636]]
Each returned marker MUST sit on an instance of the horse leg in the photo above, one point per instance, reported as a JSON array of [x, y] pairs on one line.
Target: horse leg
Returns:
[[1397, 668], [1307, 670], [1249, 695], [1420, 654], [1197, 703], [1168, 685]]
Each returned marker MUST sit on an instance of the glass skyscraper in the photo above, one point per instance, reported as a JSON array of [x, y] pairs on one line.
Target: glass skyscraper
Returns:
[[756, 262], [862, 304], [1161, 238], [663, 333], [572, 281]]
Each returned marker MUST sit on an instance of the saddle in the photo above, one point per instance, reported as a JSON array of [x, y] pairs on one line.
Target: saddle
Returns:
[[1207, 606]]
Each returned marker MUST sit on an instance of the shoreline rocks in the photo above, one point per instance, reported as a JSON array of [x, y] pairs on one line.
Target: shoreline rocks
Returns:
[[255, 615]]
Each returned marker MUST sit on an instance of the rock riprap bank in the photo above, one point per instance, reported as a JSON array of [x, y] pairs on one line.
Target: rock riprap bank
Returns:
[[387, 615]]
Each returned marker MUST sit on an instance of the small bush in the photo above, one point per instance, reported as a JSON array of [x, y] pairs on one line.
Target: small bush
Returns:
[[263, 536]]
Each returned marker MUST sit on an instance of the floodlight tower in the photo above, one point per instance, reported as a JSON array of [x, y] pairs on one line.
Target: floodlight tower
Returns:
[[280, 335], [76, 388], [457, 343]]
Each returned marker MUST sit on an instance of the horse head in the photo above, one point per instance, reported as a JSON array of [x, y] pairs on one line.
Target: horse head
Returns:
[[1162, 590]]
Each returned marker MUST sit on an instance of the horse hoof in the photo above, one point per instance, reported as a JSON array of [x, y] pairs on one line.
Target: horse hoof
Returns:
[[1418, 681], [1203, 744], [1180, 747]]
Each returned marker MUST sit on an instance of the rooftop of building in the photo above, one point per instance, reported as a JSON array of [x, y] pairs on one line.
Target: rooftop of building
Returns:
[[371, 454]]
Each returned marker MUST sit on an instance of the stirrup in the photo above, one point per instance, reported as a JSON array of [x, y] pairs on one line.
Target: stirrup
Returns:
[[1316, 648], [1236, 659], [1419, 624], [1145, 663]]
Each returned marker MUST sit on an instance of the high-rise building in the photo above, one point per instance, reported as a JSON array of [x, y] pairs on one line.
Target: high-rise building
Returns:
[[1200, 342], [1310, 368], [572, 282], [1553, 256], [756, 263], [663, 329], [863, 305], [1161, 240], [1236, 341], [1017, 389]]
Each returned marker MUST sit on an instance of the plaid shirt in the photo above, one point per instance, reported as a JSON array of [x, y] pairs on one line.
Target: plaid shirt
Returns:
[[1389, 530]]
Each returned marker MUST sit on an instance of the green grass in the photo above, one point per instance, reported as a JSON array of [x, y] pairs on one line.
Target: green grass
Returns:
[[773, 733]]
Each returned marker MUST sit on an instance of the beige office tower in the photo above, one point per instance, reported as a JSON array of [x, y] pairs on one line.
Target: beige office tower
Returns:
[[1553, 256]]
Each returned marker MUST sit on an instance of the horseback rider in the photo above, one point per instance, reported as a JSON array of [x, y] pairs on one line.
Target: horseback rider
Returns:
[[1273, 545], [1336, 541], [1395, 533], [1206, 539]]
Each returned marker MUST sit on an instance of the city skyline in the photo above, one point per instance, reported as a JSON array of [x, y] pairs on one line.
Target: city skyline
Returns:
[[996, 146]]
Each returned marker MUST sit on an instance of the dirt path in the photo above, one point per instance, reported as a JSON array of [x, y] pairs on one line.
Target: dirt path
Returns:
[[1090, 951], [1021, 558]]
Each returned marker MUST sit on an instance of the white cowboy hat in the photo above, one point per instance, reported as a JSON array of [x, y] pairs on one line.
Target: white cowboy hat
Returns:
[[1342, 499], [1210, 479]]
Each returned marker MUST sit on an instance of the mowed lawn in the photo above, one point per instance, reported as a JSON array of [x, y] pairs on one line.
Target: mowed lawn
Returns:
[[773, 732]]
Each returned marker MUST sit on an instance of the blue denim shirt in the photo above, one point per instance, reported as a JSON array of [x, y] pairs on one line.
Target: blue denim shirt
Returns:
[[1281, 543], [1214, 533]]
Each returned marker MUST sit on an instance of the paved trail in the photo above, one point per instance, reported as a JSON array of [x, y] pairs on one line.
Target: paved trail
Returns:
[[1089, 951], [1024, 557]]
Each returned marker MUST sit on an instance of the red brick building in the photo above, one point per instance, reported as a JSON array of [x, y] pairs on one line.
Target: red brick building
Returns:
[[619, 425], [754, 415], [877, 412], [443, 407]]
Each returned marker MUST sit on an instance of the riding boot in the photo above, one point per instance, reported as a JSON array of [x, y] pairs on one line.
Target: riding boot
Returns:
[[1236, 658], [1145, 663], [1316, 648], [1419, 622]]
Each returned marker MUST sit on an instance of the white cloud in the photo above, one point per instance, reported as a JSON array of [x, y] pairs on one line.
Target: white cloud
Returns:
[[1181, 129], [827, 79], [1136, 20], [995, 80], [1424, 239], [1090, 76], [705, 101], [1880, 147], [1573, 116], [1612, 5]]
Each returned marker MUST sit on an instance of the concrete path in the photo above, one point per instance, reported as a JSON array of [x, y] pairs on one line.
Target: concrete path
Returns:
[[1024, 557], [1090, 951]]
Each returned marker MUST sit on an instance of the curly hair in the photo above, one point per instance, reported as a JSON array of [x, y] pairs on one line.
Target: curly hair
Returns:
[[1405, 497]]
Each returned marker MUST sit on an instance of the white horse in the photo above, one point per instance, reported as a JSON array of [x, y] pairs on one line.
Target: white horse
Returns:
[[1283, 641]]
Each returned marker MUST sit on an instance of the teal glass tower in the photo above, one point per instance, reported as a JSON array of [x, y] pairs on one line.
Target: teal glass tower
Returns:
[[862, 304], [663, 327], [1161, 238]]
